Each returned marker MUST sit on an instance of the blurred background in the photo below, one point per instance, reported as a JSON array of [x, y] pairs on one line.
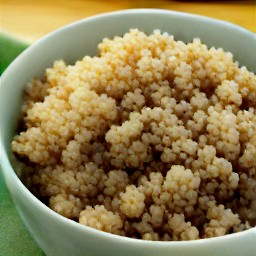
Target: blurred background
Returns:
[[32, 19]]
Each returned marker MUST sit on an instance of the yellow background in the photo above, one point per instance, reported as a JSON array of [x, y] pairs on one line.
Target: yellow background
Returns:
[[32, 19]]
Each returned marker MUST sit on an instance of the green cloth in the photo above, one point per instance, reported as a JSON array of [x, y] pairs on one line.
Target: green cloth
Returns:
[[9, 50], [15, 240]]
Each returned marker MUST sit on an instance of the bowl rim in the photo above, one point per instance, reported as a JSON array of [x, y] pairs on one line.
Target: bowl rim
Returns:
[[8, 170]]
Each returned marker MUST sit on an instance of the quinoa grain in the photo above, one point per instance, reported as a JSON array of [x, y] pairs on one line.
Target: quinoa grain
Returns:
[[153, 139]]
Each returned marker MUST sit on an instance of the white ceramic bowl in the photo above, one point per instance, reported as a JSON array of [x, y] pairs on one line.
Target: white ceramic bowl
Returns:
[[57, 235]]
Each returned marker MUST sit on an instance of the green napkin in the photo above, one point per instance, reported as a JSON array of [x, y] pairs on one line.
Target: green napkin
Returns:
[[15, 240], [10, 48]]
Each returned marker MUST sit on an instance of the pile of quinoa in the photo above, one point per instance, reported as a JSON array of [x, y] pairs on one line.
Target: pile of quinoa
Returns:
[[153, 139]]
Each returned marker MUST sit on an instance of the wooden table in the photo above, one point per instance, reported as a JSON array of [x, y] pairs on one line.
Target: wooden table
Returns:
[[32, 19]]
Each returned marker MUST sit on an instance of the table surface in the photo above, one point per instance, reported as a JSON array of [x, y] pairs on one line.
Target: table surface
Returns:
[[32, 19]]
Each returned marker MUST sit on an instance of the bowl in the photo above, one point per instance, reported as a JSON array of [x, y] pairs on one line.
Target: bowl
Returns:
[[55, 234]]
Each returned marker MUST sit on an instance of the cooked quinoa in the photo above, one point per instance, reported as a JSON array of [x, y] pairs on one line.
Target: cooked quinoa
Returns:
[[153, 139]]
